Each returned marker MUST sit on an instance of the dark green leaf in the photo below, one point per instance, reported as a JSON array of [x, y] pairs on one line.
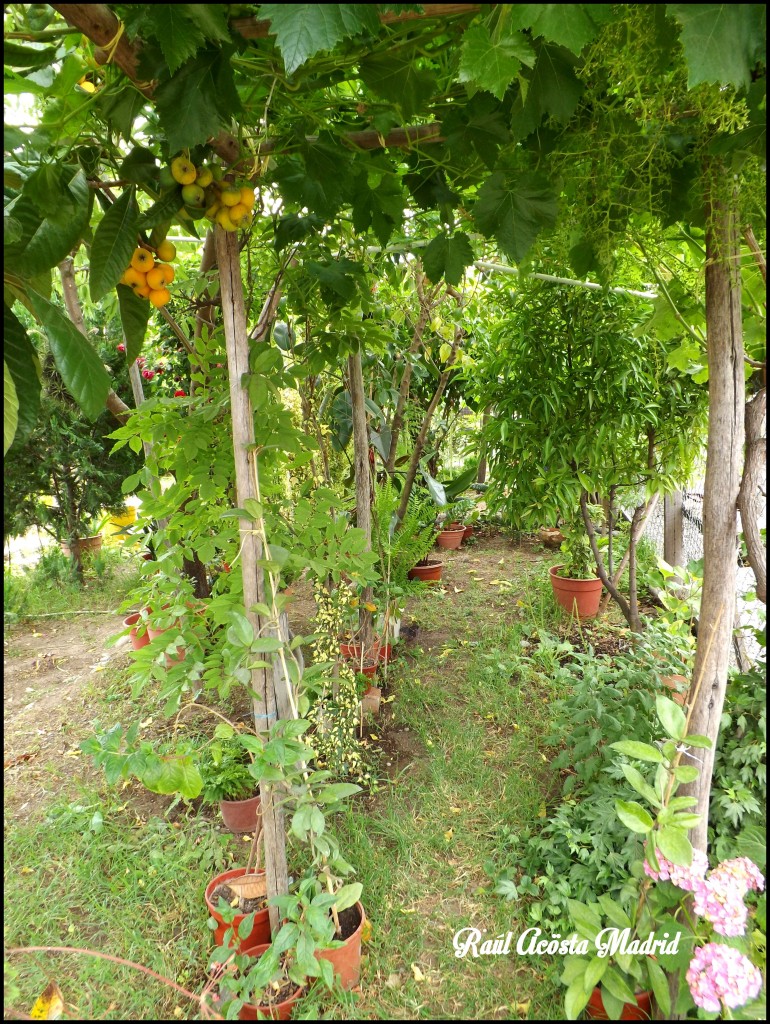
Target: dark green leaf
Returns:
[[134, 317], [191, 104], [302, 30], [447, 256], [44, 241], [80, 367], [177, 36], [166, 209], [553, 91], [24, 366], [514, 210], [398, 80], [211, 19], [659, 983], [25, 55], [114, 242], [722, 42], [479, 125], [492, 64], [570, 25], [139, 167]]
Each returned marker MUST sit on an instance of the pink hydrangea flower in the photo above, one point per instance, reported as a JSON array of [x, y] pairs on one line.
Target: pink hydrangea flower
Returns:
[[720, 975], [742, 873], [719, 902], [687, 878]]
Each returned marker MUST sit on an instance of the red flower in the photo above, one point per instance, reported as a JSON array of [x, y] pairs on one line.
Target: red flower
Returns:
[[148, 374], [121, 348], [140, 360], [180, 394]]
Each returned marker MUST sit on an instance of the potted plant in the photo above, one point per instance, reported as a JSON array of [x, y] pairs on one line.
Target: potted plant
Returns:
[[671, 913], [227, 780], [576, 586]]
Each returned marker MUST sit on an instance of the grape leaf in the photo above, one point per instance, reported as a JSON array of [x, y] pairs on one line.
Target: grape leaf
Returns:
[[398, 80], [514, 210], [178, 38], [492, 64], [570, 25], [191, 103], [721, 42], [302, 30], [553, 90], [447, 256]]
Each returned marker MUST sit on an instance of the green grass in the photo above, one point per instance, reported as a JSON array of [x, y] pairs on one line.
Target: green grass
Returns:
[[52, 588], [101, 869]]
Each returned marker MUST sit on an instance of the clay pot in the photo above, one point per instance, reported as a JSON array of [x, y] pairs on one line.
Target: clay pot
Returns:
[[260, 932], [468, 532], [551, 537], [642, 1010], [369, 669], [354, 651], [451, 539], [82, 546], [581, 597], [386, 653], [241, 815], [429, 573], [137, 641], [346, 960], [278, 1011]]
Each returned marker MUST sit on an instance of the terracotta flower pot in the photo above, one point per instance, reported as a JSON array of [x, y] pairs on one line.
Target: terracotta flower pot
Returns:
[[468, 532], [137, 640], [581, 597], [369, 669], [241, 815], [354, 651], [278, 1011], [429, 573], [346, 960], [642, 1010], [260, 932], [82, 546], [386, 653], [451, 539]]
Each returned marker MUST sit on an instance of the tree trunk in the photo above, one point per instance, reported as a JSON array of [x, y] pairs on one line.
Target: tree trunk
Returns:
[[722, 483], [419, 443], [363, 481], [425, 303], [264, 703], [749, 501]]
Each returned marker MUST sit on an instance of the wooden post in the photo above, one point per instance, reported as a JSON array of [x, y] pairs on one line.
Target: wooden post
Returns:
[[363, 480], [264, 701], [673, 529]]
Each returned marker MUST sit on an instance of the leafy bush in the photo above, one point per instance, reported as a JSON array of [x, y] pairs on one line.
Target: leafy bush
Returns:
[[583, 849], [224, 768]]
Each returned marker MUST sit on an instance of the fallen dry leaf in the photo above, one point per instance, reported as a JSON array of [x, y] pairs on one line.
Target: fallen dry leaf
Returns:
[[249, 887], [49, 1005], [418, 975]]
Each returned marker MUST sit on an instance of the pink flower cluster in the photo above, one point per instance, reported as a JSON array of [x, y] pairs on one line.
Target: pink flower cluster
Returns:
[[688, 878], [719, 898], [721, 975]]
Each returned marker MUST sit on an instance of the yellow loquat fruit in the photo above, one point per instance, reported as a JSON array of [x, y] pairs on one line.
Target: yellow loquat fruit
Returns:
[[238, 212], [166, 251], [223, 219], [155, 277], [143, 290], [133, 278], [247, 197], [183, 170], [159, 297], [168, 273], [231, 196], [205, 177], [142, 260]]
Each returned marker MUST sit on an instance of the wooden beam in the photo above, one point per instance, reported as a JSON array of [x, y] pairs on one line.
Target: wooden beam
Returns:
[[255, 28]]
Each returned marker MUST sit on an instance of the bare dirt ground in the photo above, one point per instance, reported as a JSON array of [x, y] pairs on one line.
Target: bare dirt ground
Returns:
[[50, 665]]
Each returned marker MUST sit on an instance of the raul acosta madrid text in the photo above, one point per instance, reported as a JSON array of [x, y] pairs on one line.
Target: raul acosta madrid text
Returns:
[[608, 942]]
